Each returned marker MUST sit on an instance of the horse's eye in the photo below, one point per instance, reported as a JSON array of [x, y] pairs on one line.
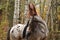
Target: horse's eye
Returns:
[[18, 26], [12, 31]]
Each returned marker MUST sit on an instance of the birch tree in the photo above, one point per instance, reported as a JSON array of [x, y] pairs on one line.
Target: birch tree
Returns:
[[16, 12], [48, 3]]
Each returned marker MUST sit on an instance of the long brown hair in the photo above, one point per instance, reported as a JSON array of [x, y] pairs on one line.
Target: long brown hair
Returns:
[[30, 10]]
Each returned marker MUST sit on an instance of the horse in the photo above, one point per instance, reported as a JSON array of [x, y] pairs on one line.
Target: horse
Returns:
[[38, 31]]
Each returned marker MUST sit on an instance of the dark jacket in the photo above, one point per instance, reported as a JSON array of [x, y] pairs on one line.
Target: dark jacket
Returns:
[[41, 22]]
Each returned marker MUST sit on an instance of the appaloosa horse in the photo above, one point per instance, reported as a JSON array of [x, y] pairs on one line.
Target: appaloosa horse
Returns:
[[38, 30]]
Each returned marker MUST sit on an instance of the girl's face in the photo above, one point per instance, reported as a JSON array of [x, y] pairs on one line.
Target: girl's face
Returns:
[[31, 6]]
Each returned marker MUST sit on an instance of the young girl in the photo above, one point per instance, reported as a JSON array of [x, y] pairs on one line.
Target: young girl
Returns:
[[32, 12]]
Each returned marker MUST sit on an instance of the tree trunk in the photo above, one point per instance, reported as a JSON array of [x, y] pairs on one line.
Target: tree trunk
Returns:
[[16, 12]]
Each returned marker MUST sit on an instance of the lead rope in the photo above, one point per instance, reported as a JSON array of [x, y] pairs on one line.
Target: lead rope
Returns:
[[24, 31], [29, 33]]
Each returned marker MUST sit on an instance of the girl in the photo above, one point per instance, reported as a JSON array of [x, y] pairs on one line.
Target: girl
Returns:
[[32, 12]]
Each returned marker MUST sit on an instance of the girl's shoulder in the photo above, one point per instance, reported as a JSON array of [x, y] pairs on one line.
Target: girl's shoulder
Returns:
[[38, 17]]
